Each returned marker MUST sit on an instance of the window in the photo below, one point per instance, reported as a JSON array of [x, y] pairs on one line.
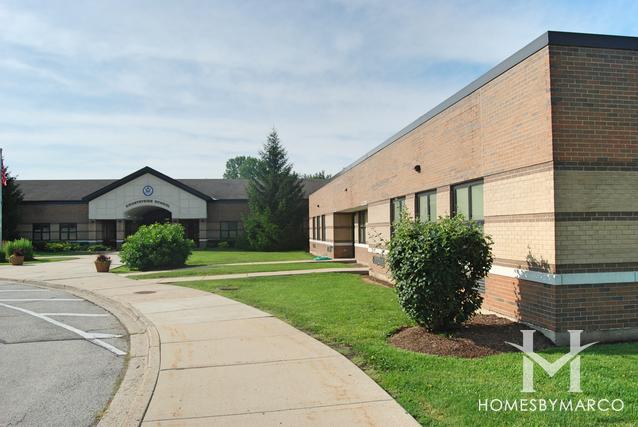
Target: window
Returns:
[[41, 232], [314, 227], [426, 206], [228, 230], [362, 219], [468, 200], [397, 207], [323, 228], [318, 224], [68, 231]]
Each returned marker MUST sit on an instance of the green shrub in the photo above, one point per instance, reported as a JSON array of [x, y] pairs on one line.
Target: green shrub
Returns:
[[62, 247], [223, 245], [156, 246], [40, 246], [23, 244], [98, 247], [436, 267]]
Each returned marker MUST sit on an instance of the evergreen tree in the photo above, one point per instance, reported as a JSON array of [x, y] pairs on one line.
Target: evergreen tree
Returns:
[[11, 199], [276, 201]]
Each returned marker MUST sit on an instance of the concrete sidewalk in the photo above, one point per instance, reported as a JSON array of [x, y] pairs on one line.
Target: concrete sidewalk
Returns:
[[228, 364]]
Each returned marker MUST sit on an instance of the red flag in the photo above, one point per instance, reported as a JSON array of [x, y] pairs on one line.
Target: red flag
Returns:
[[4, 172]]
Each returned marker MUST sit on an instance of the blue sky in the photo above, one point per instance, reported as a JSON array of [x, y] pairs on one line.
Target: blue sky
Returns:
[[98, 89]]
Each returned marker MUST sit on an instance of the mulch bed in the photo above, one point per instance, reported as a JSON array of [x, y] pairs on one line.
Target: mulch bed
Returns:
[[484, 335]]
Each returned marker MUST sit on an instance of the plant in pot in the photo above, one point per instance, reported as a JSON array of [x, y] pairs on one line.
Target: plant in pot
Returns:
[[17, 257], [102, 263]]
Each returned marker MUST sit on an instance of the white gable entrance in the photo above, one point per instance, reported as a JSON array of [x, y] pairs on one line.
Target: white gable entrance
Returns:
[[146, 197], [143, 193]]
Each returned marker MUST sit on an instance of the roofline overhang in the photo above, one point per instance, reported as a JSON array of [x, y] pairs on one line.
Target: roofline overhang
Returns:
[[146, 170], [549, 38]]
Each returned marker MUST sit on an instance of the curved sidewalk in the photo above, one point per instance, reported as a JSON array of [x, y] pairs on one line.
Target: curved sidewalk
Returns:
[[228, 364]]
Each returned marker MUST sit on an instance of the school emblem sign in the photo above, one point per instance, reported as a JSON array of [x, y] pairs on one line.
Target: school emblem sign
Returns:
[[147, 190]]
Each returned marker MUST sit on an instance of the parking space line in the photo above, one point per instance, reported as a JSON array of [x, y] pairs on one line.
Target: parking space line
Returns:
[[39, 299], [24, 290], [75, 314], [86, 335]]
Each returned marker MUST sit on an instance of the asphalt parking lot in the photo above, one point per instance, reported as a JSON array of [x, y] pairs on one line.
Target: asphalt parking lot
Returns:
[[60, 357]]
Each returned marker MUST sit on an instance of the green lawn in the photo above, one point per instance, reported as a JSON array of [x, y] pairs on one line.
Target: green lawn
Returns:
[[201, 257], [236, 269], [356, 318], [229, 256]]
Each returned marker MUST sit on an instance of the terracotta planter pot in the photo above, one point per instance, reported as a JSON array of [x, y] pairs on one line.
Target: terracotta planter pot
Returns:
[[16, 260], [102, 266]]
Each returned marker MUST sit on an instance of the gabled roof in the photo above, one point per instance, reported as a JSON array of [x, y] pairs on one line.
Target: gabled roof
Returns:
[[145, 170], [79, 190]]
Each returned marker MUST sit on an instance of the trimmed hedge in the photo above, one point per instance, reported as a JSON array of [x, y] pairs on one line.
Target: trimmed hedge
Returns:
[[24, 244], [62, 247], [436, 267], [156, 246]]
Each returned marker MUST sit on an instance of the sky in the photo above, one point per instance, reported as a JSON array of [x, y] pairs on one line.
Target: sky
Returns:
[[99, 89]]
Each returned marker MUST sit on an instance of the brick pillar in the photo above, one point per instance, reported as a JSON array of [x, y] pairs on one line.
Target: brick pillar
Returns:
[[443, 201], [92, 231], [120, 230], [410, 204], [203, 233]]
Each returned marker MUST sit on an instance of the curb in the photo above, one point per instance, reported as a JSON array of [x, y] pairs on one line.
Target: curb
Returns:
[[133, 395]]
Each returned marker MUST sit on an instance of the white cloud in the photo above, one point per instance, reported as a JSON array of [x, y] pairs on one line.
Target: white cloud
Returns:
[[97, 89]]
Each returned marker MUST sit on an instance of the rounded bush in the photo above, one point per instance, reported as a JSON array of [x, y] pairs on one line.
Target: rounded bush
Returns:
[[436, 266], [156, 246]]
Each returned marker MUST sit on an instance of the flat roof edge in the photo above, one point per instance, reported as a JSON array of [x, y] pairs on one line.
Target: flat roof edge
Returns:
[[556, 38]]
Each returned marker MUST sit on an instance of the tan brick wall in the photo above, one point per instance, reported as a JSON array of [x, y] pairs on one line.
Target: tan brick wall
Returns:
[[596, 242], [502, 126], [596, 191], [443, 205], [522, 241], [526, 192]]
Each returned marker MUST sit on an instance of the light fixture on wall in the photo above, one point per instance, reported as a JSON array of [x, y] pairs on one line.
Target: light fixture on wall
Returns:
[[417, 168]]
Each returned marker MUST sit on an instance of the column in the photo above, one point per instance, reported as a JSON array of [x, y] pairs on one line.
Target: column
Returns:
[[120, 230]]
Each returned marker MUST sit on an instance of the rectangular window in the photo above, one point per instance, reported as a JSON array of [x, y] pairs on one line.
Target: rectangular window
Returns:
[[68, 231], [362, 219], [323, 228], [318, 227], [228, 230], [468, 200], [426, 206], [314, 228], [41, 232], [397, 207]]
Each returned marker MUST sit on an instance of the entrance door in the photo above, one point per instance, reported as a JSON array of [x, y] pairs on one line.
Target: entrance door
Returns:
[[191, 229], [108, 233]]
